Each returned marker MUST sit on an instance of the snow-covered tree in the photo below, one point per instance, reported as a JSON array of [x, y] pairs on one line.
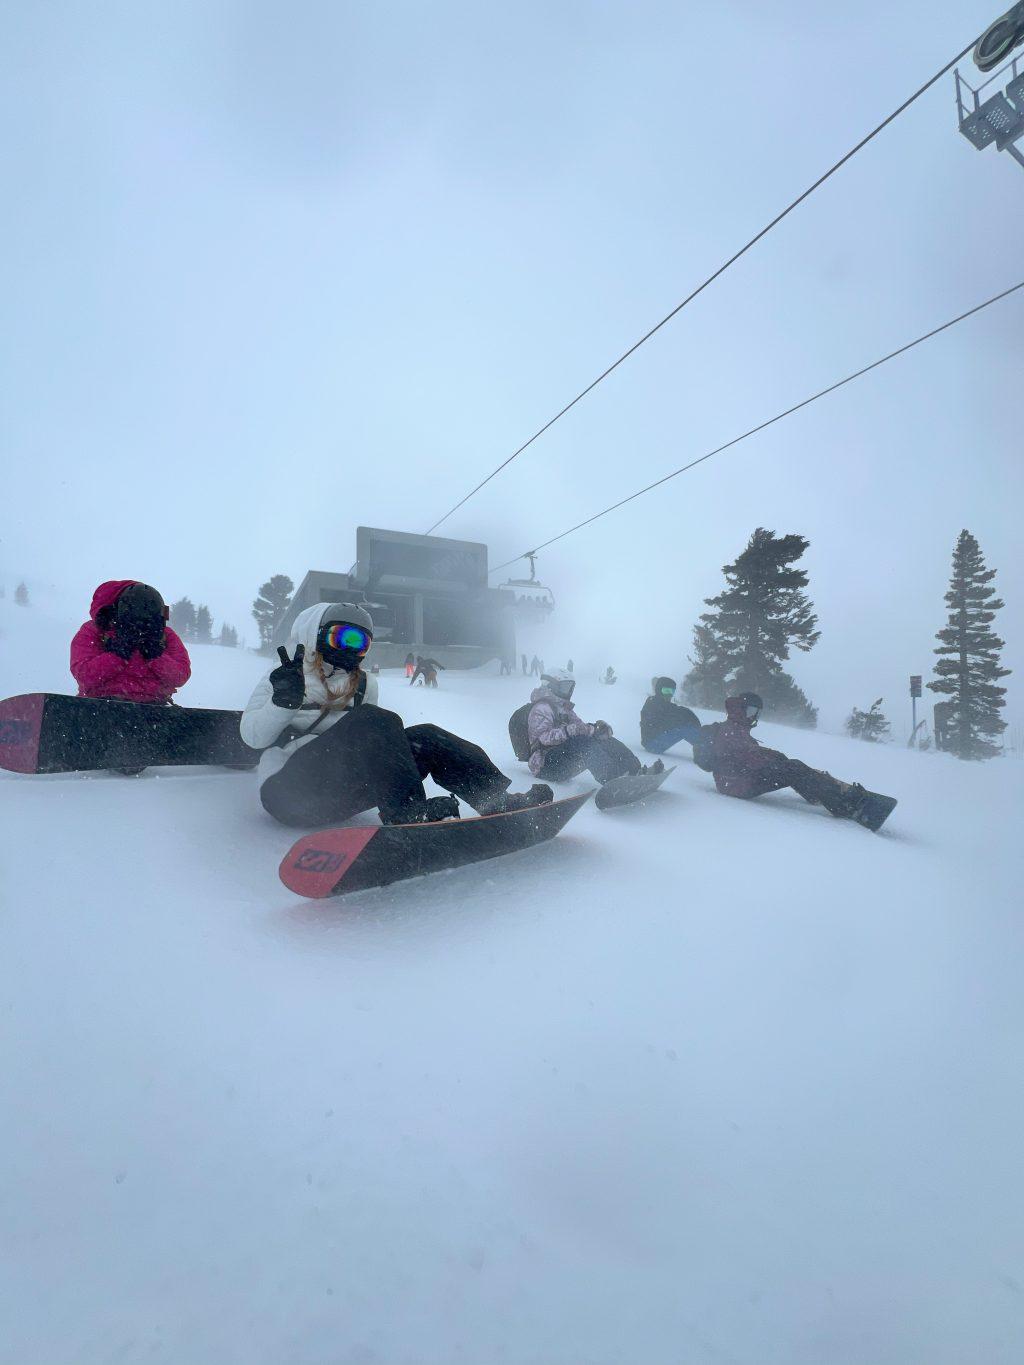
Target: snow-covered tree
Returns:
[[704, 685], [270, 606], [870, 725], [753, 624], [21, 595], [968, 669], [183, 618], [204, 625], [228, 636]]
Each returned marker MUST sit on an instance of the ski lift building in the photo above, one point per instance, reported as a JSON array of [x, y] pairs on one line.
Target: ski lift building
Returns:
[[427, 595]]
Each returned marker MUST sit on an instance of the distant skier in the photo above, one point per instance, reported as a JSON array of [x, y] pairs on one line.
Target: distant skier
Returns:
[[535, 667], [525, 666], [663, 721], [742, 768], [331, 751], [427, 670], [568, 666], [561, 745], [127, 651], [506, 669]]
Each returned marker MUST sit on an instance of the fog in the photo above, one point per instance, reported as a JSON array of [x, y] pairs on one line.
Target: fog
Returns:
[[273, 273]]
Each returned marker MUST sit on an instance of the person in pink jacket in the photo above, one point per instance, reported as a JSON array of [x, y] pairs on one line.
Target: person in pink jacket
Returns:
[[127, 651]]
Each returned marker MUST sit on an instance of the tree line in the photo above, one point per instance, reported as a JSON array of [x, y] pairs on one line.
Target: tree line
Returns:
[[764, 612], [195, 624]]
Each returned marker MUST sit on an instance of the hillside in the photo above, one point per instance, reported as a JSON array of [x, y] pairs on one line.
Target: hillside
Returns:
[[699, 1083]]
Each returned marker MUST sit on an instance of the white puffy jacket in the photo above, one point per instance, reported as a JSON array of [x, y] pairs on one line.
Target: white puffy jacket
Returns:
[[263, 723]]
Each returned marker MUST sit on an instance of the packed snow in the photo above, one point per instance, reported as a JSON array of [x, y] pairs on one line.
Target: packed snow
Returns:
[[697, 1083]]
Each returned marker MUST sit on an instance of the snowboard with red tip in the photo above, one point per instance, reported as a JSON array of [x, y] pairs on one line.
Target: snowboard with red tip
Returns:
[[334, 862]]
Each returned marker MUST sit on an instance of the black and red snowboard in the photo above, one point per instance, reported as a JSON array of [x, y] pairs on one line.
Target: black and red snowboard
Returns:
[[355, 858], [44, 732]]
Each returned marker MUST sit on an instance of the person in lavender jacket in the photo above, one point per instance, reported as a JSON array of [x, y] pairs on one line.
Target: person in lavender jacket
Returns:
[[563, 746]]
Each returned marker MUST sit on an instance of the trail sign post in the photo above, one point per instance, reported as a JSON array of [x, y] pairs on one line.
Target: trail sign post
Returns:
[[915, 692]]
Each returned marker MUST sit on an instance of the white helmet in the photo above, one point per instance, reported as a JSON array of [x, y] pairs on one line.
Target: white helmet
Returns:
[[560, 681]]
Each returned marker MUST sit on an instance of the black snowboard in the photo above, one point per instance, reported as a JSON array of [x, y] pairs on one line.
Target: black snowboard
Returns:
[[356, 857], [875, 809], [44, 732], [623, 791]]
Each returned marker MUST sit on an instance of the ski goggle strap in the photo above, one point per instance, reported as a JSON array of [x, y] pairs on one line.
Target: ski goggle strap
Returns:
[[341, 635]]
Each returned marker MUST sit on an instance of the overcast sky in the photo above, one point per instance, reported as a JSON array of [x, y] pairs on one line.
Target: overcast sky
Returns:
[[273, 271]]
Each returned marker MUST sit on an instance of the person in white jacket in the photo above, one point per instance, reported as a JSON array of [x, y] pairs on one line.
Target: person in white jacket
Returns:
[[330, 751]]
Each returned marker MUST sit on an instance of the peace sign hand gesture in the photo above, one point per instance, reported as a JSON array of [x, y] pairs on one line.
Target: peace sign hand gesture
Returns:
[[287, 679]]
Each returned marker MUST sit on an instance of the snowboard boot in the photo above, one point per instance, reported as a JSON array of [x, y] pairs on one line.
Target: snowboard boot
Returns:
[[425, 811], [540, 794]]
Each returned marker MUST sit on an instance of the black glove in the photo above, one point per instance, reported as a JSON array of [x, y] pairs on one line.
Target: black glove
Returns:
[[288, 681], [152, 640], [117, 644]]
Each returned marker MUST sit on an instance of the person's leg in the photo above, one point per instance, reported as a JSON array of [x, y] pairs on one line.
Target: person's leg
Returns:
[[565, 761], [817, 787], [608, 757], [661, 744], [456, 765], [362, 761]]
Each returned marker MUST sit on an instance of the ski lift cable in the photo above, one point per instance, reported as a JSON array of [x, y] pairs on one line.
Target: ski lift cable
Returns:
[[710, 280], [822, 393]]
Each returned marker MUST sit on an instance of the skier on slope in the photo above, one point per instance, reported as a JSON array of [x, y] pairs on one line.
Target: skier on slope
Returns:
[[331, 751], [562, 745], [742, 768], [664, 721], [126, 651]]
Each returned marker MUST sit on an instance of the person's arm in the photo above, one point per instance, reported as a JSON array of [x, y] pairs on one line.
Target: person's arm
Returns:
[[544, 730], [172, 667], [93, 667], [262, 722]]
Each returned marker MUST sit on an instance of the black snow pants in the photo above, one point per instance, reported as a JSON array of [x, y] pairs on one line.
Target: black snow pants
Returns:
[[368, 759], [604, 755], [814, 785]]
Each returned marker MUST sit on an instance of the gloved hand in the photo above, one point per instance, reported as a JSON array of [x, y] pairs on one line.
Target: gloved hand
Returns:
[[288, 681], [152, 640], [117, 644], [602, 728], [579, 729]]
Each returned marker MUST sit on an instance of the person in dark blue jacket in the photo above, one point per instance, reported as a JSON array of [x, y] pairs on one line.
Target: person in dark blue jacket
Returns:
[[663, 722]]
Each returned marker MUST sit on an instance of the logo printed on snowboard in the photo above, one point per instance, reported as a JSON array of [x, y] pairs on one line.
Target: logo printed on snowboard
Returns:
[[320, 860], [15, 731]]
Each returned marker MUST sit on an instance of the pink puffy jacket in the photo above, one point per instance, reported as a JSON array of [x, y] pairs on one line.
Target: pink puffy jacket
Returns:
[[102, 674]]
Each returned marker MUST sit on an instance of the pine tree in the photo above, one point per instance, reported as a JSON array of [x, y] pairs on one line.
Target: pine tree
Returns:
[[968, 669], [204, 625], [704, 685], [762, 614], [270, 606], [870, 725], [786, 701], [183, 619], [228, 636], [21, 595]]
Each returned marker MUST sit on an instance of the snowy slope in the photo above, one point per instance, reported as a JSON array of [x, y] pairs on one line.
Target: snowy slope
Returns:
[[706, 1082]]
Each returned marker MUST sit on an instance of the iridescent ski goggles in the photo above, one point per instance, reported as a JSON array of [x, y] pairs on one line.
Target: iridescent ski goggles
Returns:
[[667, 691], [340, 635], [751, 711]]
